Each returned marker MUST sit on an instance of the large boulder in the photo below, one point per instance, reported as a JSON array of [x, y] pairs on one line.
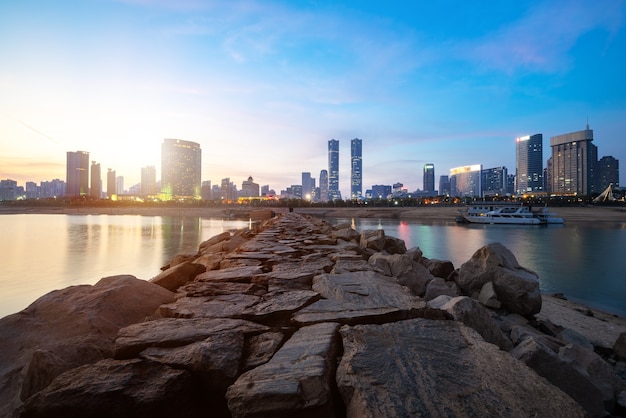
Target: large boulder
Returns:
[[517, 287], [110, 388], [179, 275], [427, 368], [67, 328]]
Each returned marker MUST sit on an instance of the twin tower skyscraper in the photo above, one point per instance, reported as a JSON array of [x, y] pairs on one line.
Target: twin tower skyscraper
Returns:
[[356, 174]]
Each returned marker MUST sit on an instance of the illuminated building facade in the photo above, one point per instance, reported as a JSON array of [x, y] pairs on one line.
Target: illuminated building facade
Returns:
[[333, 170], [571, 167], [466, 181], [77, 174], [356, 175], [181, 163], [429, 178], [307, 186], [529, 164], [444, 185]]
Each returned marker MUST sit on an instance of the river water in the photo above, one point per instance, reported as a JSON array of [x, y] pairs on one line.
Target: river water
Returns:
[[41, 253]]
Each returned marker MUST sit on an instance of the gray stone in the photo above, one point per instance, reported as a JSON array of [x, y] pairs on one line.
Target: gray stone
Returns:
[[474, 315], [439, 268], [394, 245], [175, 332], [233, 274], [561, 374], [373, 239], [179, 275], [488, 296], [297, 381], [279, 305], [346, 234], [77, 315], [438, 368], [438, 287], [221, 306], [620, 346], [214, 240], [199, 289], [261, 348], [110, 388], [215, 360], [358, 297], [517, 288]]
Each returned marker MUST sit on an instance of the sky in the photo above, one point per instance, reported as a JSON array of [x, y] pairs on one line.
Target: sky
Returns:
[[263, 85]]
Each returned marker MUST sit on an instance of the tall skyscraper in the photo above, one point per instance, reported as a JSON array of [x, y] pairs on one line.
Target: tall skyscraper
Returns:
[[444, 185], [356, 175], [429, 178], [574, 159], [77, 174], [494, 181], [307, 186], [324, 186], [529, 164], [111, 190], [181, 163], [148, 181], [119, 184], [333, 170], [206, 191], [608, 173], [96, 181]]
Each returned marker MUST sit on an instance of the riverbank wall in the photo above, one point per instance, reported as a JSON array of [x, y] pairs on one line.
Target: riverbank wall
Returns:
[[300, 318]]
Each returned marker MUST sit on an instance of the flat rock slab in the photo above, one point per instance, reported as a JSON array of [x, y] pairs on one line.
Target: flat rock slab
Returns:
[[280, 303], [297, 381], [420, 367], [176, 332], [221, 306], [243, 274], [359, 297]]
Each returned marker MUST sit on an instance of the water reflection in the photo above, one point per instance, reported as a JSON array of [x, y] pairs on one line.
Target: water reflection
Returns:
[[581, 261], [46, 252]]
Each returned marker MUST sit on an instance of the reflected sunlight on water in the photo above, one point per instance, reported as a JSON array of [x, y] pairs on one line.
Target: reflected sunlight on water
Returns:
[[47, 252]]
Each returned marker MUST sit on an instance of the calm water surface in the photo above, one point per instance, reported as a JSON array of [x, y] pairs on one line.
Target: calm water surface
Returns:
[[41, 253]]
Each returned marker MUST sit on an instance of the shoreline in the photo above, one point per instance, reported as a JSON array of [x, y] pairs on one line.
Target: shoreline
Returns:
[[577, 215]]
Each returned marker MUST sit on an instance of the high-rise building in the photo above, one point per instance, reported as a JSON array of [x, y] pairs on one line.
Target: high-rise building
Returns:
[[77, 174], [148, 181], [111, 183], [429, 178], [510, 183], [206, 192], [444, 185], [181, 163], [356, 175], [333, 170], [228, 190], [494, 181], [8, 190], [96, 181], [323, 186], [249, 188], [529, 164], [466, 181], [119, 184], [571, 167], [307, 186], [608, 173]]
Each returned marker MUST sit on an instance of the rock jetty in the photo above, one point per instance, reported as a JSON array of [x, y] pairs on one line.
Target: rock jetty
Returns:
[[301, 318]]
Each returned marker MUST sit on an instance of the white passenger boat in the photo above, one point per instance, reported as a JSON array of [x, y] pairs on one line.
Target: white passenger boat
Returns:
[[507, 213]]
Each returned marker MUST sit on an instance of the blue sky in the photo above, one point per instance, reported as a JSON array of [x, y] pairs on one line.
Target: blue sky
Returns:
[[263, 85]]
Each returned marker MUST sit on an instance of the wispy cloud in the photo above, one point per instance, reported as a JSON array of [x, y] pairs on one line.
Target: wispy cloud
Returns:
[[540, 40]]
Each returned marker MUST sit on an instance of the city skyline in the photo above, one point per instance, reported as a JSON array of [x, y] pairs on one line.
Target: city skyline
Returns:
[[261, 86]]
